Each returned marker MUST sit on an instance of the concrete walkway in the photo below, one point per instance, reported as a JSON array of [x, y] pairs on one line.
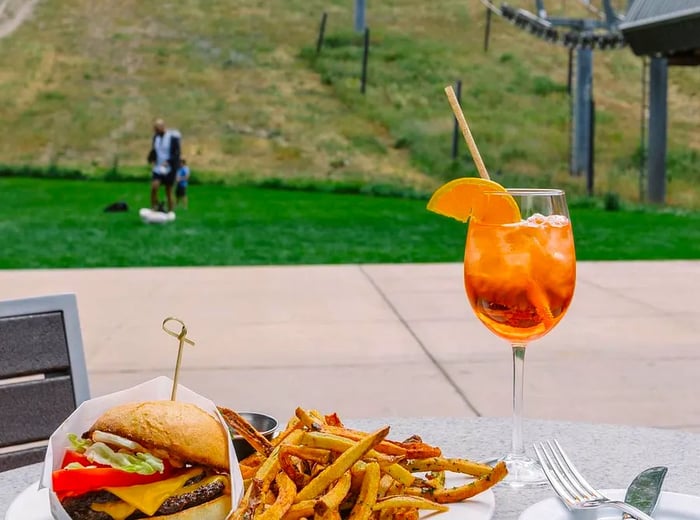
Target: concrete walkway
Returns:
[[391, 340]]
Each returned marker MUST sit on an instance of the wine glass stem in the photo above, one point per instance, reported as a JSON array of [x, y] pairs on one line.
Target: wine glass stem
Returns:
[[518, 449]]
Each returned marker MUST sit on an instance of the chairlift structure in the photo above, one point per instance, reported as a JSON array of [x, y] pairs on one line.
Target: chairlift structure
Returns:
[[582, 36], [665, 31]]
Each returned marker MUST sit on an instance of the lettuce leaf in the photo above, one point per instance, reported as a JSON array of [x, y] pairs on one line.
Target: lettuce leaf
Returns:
[[141, 463], [79, 444]]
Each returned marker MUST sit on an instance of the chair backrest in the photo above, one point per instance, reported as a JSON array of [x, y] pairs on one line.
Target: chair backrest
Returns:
[[43, 377]]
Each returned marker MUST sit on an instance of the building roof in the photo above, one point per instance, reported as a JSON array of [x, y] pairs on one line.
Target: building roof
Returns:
[[666, 27]]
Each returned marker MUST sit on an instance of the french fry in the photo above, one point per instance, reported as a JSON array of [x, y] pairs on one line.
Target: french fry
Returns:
[[293, 425], [253, 460], [384, 484], [245, 430], [250, 501], [437, 477], [323, 512], [306, 419], [400, 474], [368, 493], [357, 475], [406, 514], [299, 510], [408, 501], [396, 488], [388, 448], [343, 463], [292, 469], [431, 480], [285, 497], [247, 472], [385, 514], [318, 468], [337, 443], [457, 494], [318, 416], [264, 476], [333, 420], [421, 451], [306, 453], [337, 493], [268, 469], [455, 465]]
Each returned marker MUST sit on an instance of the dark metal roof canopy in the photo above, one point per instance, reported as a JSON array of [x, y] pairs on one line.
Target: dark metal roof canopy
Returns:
[[664, 27]]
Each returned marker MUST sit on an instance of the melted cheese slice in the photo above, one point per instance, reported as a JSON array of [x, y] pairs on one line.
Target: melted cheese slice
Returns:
[[147, 498], [117, 510]]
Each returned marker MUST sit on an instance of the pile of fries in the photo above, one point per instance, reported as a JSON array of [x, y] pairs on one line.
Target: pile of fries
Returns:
[[317, 468]]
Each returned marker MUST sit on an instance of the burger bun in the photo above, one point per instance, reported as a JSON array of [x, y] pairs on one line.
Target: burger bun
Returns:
[[173, 430]]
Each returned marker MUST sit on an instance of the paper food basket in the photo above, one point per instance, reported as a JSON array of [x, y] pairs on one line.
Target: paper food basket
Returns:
[[89, 411]]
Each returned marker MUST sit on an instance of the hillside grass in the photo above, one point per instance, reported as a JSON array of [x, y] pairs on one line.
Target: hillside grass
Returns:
[[81, 81], [61, 223]]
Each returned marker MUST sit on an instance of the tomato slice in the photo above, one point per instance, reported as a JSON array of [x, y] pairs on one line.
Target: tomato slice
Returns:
[[75, 482], [73, 456]]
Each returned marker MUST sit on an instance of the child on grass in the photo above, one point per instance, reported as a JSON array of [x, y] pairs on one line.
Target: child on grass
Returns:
[[183, 176]]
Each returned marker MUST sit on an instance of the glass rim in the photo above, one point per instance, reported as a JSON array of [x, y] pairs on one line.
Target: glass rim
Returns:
[[529, 191]]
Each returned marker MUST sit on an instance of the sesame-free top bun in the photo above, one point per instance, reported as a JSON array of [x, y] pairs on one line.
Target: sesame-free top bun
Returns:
[[170, 429]]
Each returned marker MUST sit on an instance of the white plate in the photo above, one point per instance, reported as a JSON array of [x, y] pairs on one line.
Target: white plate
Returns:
[[33, 504], [30, 504], [672, 506]]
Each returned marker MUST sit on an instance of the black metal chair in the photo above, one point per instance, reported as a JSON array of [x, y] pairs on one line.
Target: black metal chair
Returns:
[[43, 377]]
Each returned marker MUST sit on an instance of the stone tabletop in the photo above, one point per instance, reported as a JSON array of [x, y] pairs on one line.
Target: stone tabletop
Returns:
[[610, 456]]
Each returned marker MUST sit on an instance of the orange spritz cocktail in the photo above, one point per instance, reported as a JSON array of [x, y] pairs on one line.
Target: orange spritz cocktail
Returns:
[[520, 277]]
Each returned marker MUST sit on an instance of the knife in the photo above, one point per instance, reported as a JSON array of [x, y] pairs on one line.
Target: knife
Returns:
[[645, 489]]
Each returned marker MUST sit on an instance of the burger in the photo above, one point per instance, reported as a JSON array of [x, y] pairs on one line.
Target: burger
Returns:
[[153, 459]]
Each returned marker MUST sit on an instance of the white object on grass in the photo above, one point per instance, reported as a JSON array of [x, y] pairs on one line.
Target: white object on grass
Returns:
[[149, 216]]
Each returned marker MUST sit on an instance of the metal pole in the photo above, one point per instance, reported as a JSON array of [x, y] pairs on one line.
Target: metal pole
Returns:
[[570, 122], [321, 33], [642, 133], [487, 30], [656, 164], [539, 8], [365, 57], [582, 110], [455, 131], [359, 15], [591, 153], [570, 71]]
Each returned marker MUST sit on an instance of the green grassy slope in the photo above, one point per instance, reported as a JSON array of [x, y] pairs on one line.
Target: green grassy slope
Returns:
[[80, 82]]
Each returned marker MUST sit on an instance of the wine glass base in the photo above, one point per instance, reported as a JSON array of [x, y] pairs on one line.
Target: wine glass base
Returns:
[[523, 472]]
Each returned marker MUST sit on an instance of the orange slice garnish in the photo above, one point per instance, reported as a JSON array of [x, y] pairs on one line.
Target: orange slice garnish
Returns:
[[466, 198]]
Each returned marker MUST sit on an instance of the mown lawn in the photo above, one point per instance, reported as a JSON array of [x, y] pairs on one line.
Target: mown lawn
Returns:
[[60, 223]]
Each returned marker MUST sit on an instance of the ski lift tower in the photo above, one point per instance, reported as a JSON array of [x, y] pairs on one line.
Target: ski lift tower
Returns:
[[667, 31], [582, 36]]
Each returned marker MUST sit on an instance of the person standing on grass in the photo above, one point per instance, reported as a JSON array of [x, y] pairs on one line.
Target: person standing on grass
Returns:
[[164, 159], [183, 177]]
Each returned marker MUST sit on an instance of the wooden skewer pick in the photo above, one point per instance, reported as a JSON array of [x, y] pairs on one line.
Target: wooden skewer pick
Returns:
[[182, 339], [464, 127]]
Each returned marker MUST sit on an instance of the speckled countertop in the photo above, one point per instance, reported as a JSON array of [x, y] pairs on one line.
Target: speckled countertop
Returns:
[[610, 456]]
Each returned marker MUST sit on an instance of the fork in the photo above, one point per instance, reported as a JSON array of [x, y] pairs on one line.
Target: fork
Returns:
[[572, 488]]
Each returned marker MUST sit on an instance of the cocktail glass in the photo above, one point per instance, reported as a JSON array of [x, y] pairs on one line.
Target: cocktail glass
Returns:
[[520, 280]]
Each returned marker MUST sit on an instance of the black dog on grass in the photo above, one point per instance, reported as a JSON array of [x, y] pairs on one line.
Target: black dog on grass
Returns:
[[117, 207]]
